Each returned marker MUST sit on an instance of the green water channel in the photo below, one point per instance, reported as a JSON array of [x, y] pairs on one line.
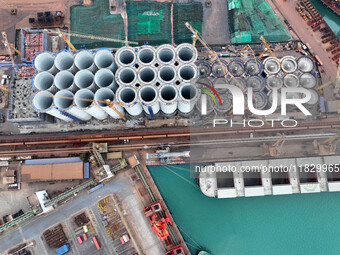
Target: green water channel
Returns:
[[332, 19], [273, 225]]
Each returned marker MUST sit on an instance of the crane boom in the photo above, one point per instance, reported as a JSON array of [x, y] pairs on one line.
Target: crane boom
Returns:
[[7, 45]]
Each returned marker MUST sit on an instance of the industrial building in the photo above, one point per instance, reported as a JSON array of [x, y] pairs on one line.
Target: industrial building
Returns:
[[271, 177]]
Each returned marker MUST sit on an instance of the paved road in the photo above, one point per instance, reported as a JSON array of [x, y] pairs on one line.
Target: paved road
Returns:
[[34, 228], [300, 26]]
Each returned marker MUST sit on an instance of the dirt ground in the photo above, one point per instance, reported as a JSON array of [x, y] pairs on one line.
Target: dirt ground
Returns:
[[27, 9]]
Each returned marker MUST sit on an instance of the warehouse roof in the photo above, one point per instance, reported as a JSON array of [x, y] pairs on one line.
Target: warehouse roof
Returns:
[[50, 172]]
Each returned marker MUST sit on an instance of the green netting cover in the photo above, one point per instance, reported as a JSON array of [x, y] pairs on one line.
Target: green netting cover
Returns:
[[249, 19], [96, 20], [192, 13], [149, 22]]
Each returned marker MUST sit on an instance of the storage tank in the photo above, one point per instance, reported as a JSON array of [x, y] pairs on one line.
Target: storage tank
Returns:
[[104, 94], [84, 79], [147, 75], [148, 97], [203, 67], [220, 81], [288, 64], [63, 100], [104, 78], [103, 58], [270, 99], [254, 66], [202, 82], [188, 96], [256, 82], [219, 68], [146, 55], [239, 82], [273, 81], [128, 97], [126, 56], [64, 61], [84, 100], [271, 65], [187, 72], [305, 64], [168, 99], [44, 61], [83, 59], [43, 102], [64, 80], [314, 97], [167, 74], [209, 104], [126, 76], [226, 106], [186, 53], [43, 81], [291, 81], [236, 67], [308, 81], [260, 100], [166, 54]]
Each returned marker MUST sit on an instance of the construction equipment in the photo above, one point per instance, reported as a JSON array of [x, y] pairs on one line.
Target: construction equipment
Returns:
[[327, 147], [267, 46], [336, 82], [275, 149], [65, 34], [9, 49], [12, 11]]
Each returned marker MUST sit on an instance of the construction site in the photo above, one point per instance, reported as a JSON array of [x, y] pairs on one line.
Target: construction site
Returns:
[[93, 92]]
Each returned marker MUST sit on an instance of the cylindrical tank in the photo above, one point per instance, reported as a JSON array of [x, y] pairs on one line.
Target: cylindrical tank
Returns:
[[271, 65], [270, 98], [84, 79], [308, 80], [219, 68], [202, 82], [64, 61], [209, 104], [146, 55], [126, 56], [43, 81], [147, 75], [187, 72], [226, 106], [186, 53], [148, 97], [260, 100], [188, 96], [166, 54], [291, 81], [168, 95], [64, 80], [220, 81], [314, 97], [84, 100], [256, 82], [126, 76], [103, 58], [43, 102], [104, 78], [204, 68], [128, 96], [239, 82], [44, 61], [104, 94], [273, 81], [63, 100], [236, 67], [288, 64], [254, 66], [305, 64], [83, 59], [167, 74]]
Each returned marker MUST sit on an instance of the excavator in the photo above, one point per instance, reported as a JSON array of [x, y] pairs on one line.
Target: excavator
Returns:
[[275, 149], [327, 147]]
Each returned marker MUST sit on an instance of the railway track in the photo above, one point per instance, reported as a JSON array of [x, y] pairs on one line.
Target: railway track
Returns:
[[42, 139]]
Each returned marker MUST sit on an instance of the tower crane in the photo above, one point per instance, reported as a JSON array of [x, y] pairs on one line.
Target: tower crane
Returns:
[[336, 84], [327, 147], [65, 34], [267, 46], [7, 45], [275, 149]]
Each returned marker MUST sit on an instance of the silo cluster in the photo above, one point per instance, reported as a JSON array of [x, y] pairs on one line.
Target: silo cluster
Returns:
[[292, 73]]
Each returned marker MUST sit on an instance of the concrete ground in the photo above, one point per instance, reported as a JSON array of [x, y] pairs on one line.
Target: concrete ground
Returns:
[[33, 229]]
